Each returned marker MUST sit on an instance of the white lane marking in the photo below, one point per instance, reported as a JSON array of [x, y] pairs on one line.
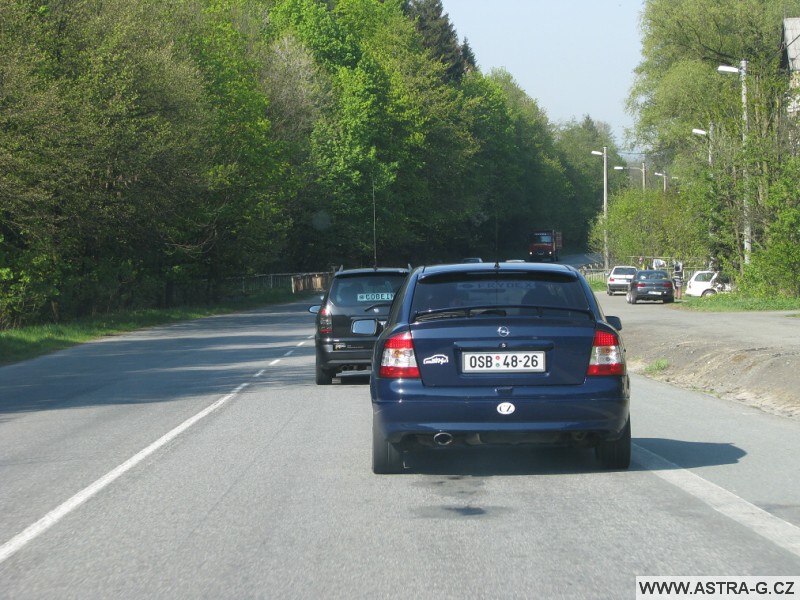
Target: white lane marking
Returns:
[[275, 362], [775, 529], [301, 343], [58, 513], [289, 353], [260, 373]]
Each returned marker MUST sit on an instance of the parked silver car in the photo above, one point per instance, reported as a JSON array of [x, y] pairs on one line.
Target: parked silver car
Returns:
[[619, 279]]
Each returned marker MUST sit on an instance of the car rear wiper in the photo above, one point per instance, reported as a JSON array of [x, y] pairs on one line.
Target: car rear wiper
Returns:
[[543, 307], [377, 305], [439, 313], [452, 312], [501, 310]]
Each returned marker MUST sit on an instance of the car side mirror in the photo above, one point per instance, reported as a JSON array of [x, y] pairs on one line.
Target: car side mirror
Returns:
[[615, 322], [365, 327]]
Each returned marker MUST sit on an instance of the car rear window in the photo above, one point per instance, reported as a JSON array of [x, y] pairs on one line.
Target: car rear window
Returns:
[[623, 271], [363, 290], [642, 275], [504, 290]]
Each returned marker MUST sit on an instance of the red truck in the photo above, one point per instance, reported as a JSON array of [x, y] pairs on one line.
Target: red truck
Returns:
[[544, 245]]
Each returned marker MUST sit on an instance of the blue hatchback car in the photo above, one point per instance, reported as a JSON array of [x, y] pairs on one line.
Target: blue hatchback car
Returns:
[[499, 353]]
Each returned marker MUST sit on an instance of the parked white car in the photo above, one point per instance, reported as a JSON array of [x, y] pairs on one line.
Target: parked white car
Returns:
[[708, 283], [619, 279]]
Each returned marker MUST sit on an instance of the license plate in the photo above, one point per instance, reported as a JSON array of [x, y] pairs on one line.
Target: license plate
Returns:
[[655, 293], [503, 362]]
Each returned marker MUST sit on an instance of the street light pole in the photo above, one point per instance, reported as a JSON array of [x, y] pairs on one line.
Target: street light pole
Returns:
[[643, 169], [748, 230], [709, 134], [604, 154], [644, 176], [664, 177]]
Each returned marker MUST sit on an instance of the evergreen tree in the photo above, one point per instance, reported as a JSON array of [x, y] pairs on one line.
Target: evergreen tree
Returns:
[[439, 37]]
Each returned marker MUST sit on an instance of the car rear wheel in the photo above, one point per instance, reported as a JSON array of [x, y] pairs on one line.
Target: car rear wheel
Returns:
[[708, 293], [631, 298], [386, 458], [616, 454], [324, 376]]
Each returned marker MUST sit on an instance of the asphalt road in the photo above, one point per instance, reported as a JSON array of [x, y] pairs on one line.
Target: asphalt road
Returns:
[[199, 460]]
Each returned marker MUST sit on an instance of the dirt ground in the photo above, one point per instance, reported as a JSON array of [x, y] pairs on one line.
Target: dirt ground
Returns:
[[756, 372]]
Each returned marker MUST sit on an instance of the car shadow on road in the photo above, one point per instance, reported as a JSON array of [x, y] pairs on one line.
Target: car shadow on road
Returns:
[[484, 461], [357, 378], [652, 454], [649, 454]]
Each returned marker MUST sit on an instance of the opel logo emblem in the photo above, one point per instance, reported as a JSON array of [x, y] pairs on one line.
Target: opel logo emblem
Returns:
[[503, 331], [506, 408]]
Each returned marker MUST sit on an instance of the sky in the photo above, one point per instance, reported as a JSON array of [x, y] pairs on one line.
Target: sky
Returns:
[[574, 57]]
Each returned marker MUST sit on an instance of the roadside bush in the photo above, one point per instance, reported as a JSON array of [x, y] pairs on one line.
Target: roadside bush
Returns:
[[775, 270]]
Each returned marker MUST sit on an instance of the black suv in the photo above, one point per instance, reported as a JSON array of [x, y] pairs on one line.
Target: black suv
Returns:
[[351, 316]]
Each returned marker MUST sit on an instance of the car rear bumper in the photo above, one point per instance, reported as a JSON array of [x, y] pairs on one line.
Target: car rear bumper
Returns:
[[406, 411], [657, 296], [342, 359]]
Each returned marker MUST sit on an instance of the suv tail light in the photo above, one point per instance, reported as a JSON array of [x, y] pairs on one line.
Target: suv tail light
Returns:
[[398, 358], [606, 356], [325, 320]]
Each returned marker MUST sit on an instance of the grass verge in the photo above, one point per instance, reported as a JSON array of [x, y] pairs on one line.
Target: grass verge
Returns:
[[661, 364], [735, 302], [29, 342]]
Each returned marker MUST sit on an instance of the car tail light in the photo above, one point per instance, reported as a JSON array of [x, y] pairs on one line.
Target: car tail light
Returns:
[[325, 320], [398, 358], [668, 284], [606, 356]]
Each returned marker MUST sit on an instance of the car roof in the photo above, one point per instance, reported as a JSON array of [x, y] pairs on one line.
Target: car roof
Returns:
[[502, 267], [372, 271], [624, 267]]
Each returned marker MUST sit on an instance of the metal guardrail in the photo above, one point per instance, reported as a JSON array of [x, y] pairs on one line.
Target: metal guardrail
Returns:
[[311, 282], [593, 275], [297, 282], [320, 281]]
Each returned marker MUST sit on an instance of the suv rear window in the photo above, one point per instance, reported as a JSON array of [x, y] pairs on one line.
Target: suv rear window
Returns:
[[363, 290], [505, 290]]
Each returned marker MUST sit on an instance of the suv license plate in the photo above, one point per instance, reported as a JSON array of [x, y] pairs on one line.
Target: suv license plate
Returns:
[[500, 362]]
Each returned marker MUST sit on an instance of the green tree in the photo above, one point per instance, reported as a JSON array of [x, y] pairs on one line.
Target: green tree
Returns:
[[536, 193], [575, 142], [678, 88], [440, 38]]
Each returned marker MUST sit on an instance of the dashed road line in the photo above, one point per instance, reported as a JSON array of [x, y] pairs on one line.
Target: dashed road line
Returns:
[[54, 516]]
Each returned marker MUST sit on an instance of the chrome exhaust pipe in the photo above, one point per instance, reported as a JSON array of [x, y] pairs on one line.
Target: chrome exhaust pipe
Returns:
[[443, 438]]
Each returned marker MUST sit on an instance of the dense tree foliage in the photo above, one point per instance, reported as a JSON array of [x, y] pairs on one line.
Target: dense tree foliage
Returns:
[[149, 150], [739, 181]]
